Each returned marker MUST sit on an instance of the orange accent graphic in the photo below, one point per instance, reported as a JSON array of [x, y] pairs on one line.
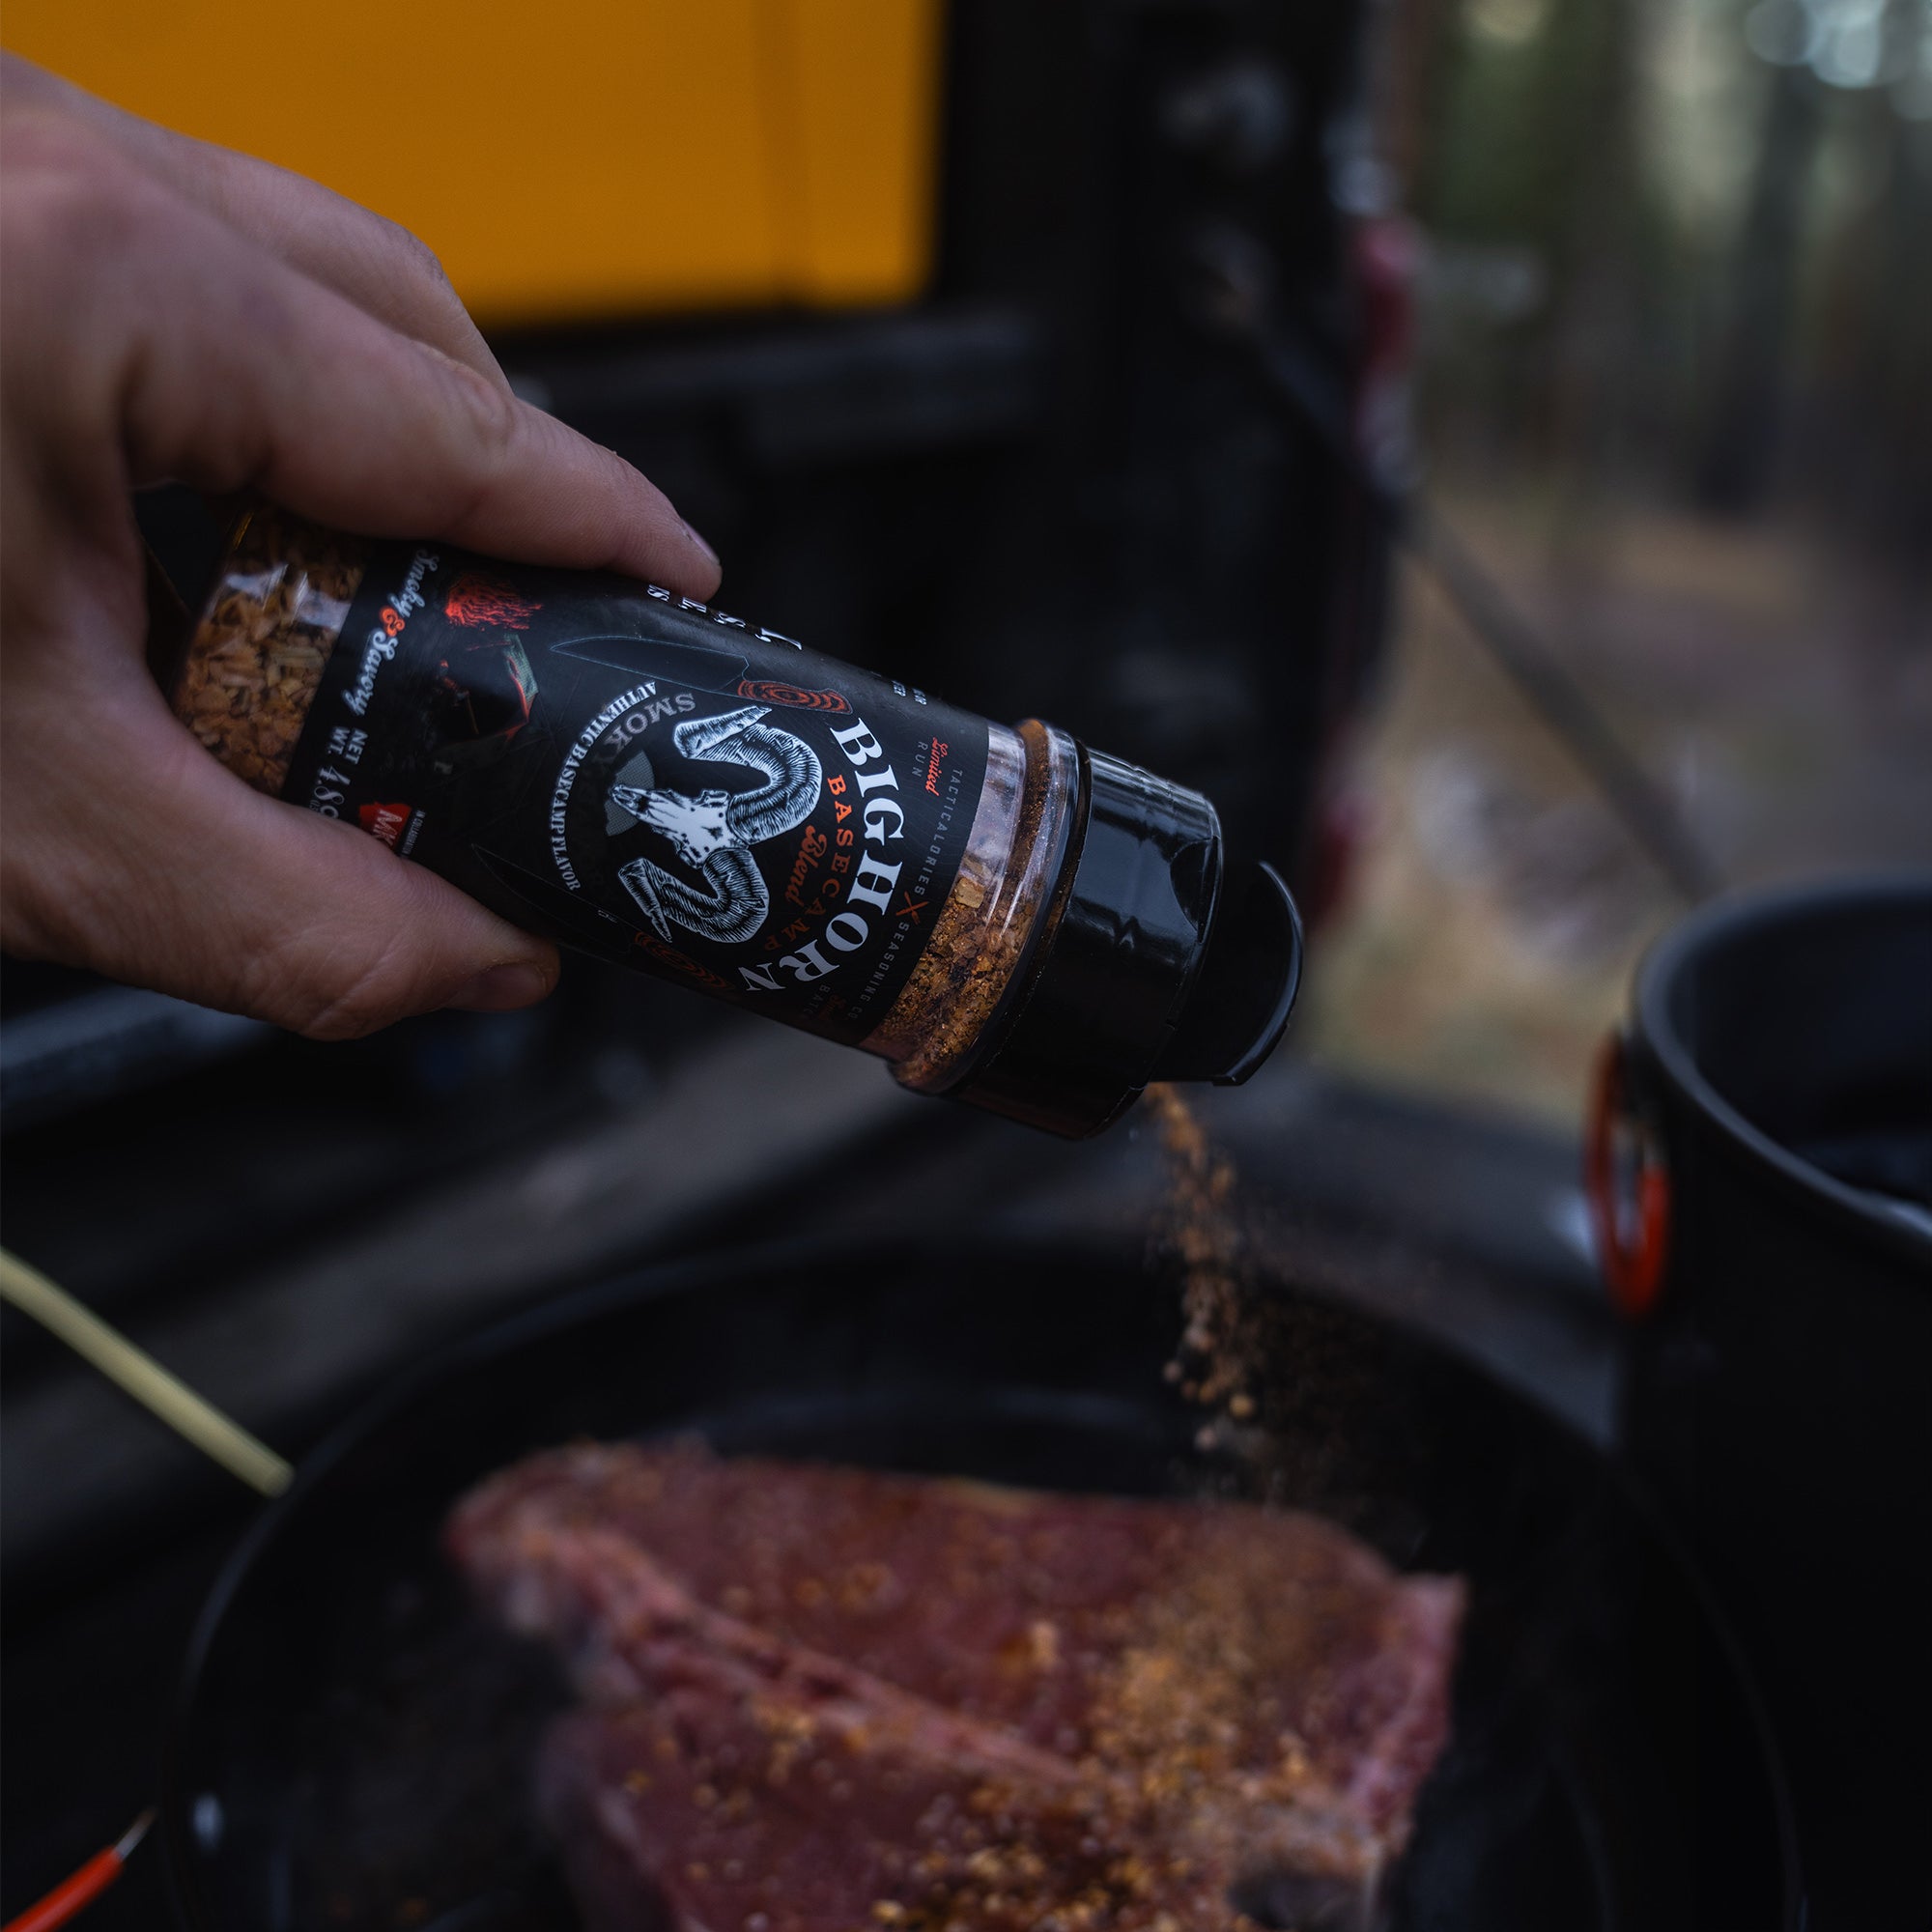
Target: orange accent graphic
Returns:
[[476, 600], [680, 962], [385, 821], [771, 690]]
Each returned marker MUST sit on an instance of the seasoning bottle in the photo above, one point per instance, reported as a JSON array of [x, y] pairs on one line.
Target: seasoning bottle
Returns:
[[1003, 915]]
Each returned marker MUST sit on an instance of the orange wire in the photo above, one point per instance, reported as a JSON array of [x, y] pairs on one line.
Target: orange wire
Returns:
[[77, 1891]]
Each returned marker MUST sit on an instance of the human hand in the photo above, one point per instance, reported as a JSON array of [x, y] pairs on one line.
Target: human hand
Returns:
[[169, 310]]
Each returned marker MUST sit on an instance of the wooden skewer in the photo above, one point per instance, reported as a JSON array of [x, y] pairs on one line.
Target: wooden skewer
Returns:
[[137, 1372]]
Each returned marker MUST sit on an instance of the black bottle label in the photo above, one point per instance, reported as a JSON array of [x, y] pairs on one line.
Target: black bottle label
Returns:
[[645, 778]]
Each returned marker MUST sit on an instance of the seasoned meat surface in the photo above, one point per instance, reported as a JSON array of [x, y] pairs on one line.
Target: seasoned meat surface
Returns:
[[896, 1701], [842, 1804]]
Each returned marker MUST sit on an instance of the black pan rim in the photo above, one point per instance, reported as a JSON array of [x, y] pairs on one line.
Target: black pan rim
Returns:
[[668, 1279]]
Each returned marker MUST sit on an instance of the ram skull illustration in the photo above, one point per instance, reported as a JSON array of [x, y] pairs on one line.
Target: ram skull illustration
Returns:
[[714, 833]]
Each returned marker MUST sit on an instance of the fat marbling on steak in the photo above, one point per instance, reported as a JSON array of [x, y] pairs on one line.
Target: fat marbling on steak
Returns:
[[831, 1698]]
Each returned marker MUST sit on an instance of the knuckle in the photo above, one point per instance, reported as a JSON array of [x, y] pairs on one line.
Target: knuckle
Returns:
[[69, 202], [339, 998], [263, 309], [42, 137], [418, 258], [493, 434], [365, 1006], [497, 414]]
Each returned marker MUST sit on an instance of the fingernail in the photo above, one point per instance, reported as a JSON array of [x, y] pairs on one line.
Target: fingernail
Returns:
[[499, 989], [702, 544]]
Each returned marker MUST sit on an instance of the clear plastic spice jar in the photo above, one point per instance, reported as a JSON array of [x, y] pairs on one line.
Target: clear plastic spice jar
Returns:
[[1002, 915]]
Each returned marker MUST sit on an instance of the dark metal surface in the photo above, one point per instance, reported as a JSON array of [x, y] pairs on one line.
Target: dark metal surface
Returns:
[[352, 1737]]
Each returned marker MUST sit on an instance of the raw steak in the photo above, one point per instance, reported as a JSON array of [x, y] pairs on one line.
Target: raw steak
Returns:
[[760, 1785], [1164, 1698]]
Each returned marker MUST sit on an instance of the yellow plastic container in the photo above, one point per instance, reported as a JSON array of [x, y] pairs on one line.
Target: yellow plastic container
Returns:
[[573, 159]]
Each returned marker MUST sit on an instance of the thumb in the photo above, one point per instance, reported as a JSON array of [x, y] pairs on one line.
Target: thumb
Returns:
[[167, 870]]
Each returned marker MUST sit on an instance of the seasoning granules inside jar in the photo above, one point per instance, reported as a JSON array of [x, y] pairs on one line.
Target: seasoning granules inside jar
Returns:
[[993, 911], [256, 661], [1002, 915]]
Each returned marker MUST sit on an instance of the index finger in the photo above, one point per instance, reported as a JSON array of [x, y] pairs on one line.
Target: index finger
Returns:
[[239, 372]]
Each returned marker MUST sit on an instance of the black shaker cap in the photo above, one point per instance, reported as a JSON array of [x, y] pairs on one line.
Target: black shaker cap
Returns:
[[1154, 968], [1238, 1010]]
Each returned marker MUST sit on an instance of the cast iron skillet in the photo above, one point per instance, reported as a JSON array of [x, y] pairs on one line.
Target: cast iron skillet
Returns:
[[352, 1748]]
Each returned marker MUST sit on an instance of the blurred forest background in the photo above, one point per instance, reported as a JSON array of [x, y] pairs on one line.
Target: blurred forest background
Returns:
[[1675, 387]]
